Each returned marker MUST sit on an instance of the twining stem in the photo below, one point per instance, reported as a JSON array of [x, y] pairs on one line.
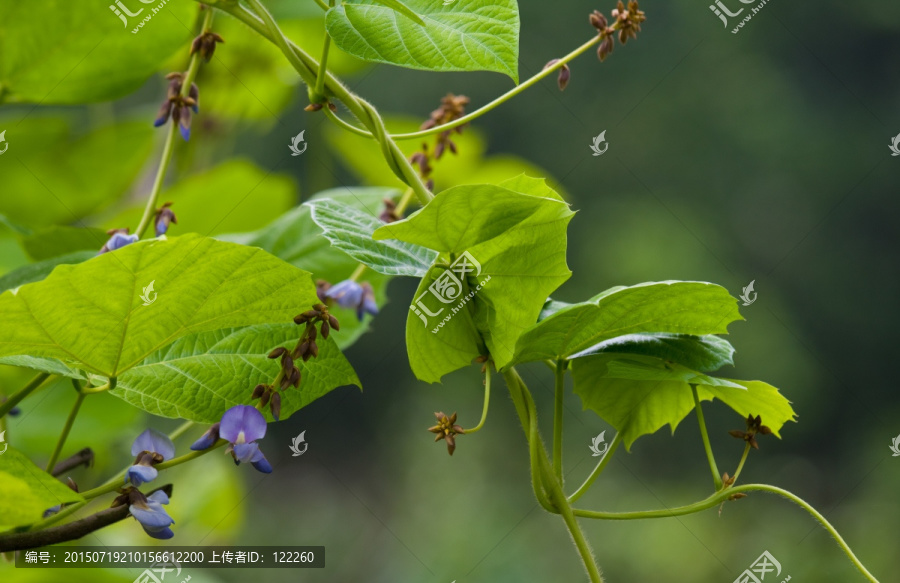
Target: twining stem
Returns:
[[404, 202], [717, 478], [487, 399], [559, 394], [737, 472], [65, 431], [322, 4], [601, 465], [169, 147], [15, 399], [722, 496], [180, 430], [323, 66], [357, 273], [109, 385]]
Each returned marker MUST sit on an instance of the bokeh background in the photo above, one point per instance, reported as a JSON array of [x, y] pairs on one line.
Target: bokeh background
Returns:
[[756, 156]]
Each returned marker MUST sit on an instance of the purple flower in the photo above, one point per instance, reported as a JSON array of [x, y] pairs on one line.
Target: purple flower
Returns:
[[208, 439], [177, 107], [153, 517], [242, 425], [118, 239], [151, 447], [164, 217], [349, 294]]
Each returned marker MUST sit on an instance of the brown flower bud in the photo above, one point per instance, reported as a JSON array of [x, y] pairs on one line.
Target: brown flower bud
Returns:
[[334, 322], [258, 391], [324, 329], [264, 400], [275, 406], [280, 351]]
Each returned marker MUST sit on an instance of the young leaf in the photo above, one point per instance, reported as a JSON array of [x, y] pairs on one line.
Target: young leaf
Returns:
[[517, 240], [92, 315], [679, 307], [703, 353], [295, 238], [28, 491], [638, 394], [350, 230], [466, 35], [200, 376]]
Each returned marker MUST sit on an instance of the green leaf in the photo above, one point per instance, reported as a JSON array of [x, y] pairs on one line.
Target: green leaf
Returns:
[[38, 271], [61, 52], [638, 395], [200, 376], [57, 240], [467, 35], [519, 241], [703, 353], [91, 315], [234, 196], [678, 307], [350, 230], [295, 238], [28, 491], [48, 365], [51, 176]]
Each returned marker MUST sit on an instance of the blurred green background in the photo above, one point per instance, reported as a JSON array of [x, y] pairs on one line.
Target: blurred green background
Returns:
[[757, 156]]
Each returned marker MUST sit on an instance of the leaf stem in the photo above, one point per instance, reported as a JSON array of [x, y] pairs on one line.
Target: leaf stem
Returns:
[[322, 5], [487, 399], [559, 395], [404, 202], [357, 273], [180, 430], [601, 465], [717, 478], [737, 472], [108, 386], [79, 399], [169, 147], [14, 399]]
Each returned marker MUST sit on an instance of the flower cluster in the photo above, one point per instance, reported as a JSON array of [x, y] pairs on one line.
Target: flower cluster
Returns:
[[163, 218], [348, 294], [205, 44], [452, 108], [754, 427], [627, 23], [118, 238], [447, 429], [241, 426], [178, 106], [150, 448]]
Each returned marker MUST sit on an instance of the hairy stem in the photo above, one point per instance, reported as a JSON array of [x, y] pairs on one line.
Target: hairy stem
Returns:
[[487, 399], [319, 94], [717, 477], [559, 394], [13, 400], [169, 147], [70, 420], [601, 465]]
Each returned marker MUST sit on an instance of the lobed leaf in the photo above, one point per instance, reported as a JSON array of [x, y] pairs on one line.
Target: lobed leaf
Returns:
[[28, 490]]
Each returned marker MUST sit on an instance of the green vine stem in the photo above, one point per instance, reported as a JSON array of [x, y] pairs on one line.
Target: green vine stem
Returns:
[[717, 478], [70, 420], [15, 399], [487, 399], [319, 92], [601, 465], [169, 147], [737, 472], [559, 394], [723, 496]]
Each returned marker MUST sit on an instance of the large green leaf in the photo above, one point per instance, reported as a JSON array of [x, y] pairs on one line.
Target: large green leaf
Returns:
[[350, 230], [51, 176], [465, 35], [55, 51], [200, 376], [295, 238], [638, 394], [679, 307], [27, 491], [233, 196], [38, 271], [703, 353], [91, 315], [517, 242]]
